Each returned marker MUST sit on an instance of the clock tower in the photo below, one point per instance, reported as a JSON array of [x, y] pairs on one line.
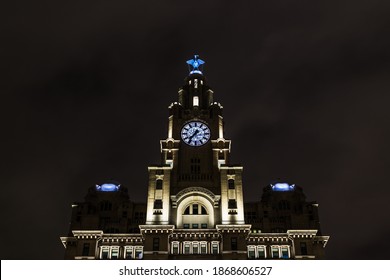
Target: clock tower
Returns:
[[195, 186]]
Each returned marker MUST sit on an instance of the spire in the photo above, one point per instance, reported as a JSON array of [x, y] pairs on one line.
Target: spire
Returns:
[[195, 64]]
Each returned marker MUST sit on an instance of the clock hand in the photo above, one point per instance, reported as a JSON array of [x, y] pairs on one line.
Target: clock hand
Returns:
[[192, 136]]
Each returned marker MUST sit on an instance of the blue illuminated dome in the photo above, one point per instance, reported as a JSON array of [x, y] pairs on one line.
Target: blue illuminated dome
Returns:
[[282, 187], [108, 187]]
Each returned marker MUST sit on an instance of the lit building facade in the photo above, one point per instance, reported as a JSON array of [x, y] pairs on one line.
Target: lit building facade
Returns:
[[195, 207]]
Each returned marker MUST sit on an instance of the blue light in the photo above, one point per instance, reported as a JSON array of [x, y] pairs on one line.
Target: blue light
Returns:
[[108, 187], [196, 71], [195, 64], [282, 187]]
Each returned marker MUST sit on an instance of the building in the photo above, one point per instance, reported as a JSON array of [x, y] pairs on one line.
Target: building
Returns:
[[195, 207]]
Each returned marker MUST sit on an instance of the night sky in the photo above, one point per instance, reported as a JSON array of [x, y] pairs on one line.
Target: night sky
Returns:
[[85, 89]]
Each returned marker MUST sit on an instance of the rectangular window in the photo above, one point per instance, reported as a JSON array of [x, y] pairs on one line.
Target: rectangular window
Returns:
[[105, 253], [85, 249], [114, 253], [285, 253], [159, 184], [196, 101], [215, 248], [303, 248], [251, 252], [156, 244], [139, 253], [203, 248], [195, 225], [195, 248], [186, 226], [232, 204], [129, 253], [231, 184], [175, 248], [195, 209], [203, 225], [158, 204], [275, 252], [261, 252], [233, 243], [186, 248]]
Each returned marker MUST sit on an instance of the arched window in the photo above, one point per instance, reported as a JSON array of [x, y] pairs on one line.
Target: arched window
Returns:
[[195, 209]]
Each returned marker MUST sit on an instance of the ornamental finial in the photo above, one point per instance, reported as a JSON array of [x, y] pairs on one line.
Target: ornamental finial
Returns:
[[195, 64]]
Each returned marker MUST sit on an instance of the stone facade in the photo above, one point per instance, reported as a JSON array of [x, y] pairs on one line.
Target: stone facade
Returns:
[[195, 207]]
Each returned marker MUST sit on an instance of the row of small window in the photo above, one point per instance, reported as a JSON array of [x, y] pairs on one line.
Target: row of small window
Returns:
[[195, 209], [232, 204], [186, 226], [275, 252], [194, 177], [194, 247], [117, 252]]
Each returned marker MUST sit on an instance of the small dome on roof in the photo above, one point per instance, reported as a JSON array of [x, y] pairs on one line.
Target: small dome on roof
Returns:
[[108, 187], [282, 187]]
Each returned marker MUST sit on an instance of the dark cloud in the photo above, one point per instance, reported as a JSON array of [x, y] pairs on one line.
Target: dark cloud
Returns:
[[86, 86]]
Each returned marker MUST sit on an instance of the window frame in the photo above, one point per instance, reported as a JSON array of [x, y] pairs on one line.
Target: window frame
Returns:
[[128, 249], [231, 184], [159, 184], [214, 244], [115, 249], [175, 245]]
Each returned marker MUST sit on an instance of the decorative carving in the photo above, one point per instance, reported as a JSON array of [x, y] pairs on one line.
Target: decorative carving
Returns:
[[183, 193]]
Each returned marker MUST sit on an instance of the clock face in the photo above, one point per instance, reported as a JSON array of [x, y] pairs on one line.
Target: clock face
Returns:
[[195, 133]]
